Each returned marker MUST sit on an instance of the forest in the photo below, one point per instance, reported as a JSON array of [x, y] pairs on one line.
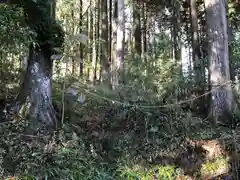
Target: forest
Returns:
[[119, 90]]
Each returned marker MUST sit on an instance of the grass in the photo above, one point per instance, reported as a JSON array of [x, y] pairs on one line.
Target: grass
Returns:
[[213, 168], [138, 172]]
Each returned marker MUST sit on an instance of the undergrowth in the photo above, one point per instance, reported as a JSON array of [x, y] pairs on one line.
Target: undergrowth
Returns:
[[106, 137]]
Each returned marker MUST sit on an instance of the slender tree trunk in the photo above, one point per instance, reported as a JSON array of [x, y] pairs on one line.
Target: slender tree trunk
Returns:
[[195, 43], [218, 55], [81, 45], [137, 29], [114, 75], [230, 41], [90, 41], [94, 46], [105, 71], [176, 36], [118, 64], [175, 33], [203, 55], [110, 15], [144, 16], [72, 32], [198, 63], [98, 46]]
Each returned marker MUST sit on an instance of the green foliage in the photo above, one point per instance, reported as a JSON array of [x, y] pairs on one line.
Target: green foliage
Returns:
[[40, 20], [14, 37], [14, 32], [235, 47], [159, 172]]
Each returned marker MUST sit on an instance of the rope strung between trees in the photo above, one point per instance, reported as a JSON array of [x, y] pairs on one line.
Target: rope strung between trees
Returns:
[[153, 107]]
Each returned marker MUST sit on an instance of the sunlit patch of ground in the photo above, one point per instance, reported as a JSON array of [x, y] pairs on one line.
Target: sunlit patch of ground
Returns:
[[215, 168], [208, 170]]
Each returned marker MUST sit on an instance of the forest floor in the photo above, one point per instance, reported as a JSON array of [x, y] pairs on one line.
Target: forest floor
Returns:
[[101, 140]]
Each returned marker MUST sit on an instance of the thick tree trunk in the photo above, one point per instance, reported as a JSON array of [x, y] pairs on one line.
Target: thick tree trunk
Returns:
[[36, 90], [35, 94], [218, 55]]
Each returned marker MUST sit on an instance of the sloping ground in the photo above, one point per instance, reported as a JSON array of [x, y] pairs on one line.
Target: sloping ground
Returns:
[[92, 145], [100, 140], [202, 160], [125, 138]]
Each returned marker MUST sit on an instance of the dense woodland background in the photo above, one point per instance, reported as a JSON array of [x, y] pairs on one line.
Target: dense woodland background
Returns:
[[119, 89]]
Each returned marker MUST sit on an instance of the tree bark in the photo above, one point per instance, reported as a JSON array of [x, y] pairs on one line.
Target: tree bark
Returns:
[[110, 32], [105, 71], [98, 46], [36, 90], [198, 63], [118, 64], [176, 31], [218, 55], [144, 34], [195, 43], [90, 42], [81, 45], [74, 64], [137, 29]]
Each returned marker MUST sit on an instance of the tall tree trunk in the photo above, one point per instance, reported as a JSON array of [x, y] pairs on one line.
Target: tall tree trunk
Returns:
[[195, 43], [198, 63], [176, 35], [118, 64], [230, 41], [105, 71], [114, 75], [175, 32], [90, 40], [144, 16], [80, 31], [110, 15], [72, 32], [98, 46], [94, 46], [203, 55], [137, 29], [218, 55]]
